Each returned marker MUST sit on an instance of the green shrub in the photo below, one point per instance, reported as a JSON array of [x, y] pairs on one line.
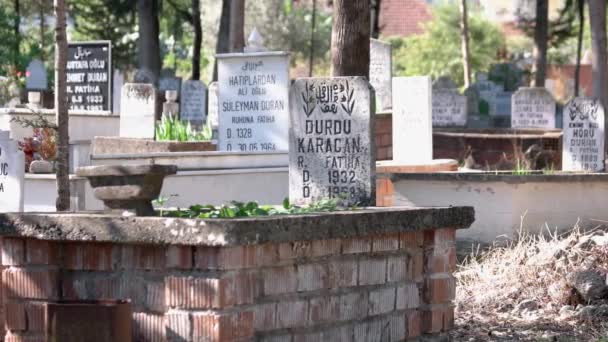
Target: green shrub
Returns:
[[170, 128]]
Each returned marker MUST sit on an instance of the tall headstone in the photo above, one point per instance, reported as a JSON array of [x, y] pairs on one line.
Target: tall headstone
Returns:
[[412, 120], [583, 139], [138, 108], [193, 102], [35, 76], [449, 108], [253, 98], [533, 108], [12, 172], [89, 75], [213, 109], [117, 81], [331, 152], [380, 73]]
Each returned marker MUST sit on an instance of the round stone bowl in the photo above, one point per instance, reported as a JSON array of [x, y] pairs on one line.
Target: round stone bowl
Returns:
[[127, 187]]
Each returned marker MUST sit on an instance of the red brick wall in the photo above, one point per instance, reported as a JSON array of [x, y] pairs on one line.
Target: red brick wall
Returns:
[[403, 17], [384, 137], [397, 285]]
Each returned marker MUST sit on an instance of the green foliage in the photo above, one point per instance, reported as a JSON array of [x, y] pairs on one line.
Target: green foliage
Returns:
[[171, 128], [250, 209], [437, 52]]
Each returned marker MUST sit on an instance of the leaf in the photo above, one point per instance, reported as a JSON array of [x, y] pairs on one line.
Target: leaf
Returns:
[[286, 203]]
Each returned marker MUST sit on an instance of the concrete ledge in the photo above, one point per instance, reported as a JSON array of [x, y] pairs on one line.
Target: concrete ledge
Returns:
[[506, 177], [231, 232]]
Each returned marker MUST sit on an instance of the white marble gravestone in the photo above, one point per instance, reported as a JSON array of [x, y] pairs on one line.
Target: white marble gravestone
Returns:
[[35, 78], [117, 81], [380, 73], [253, 100], [412, 120], [331, 152], [449, 108], [213, 109], [583, 139], [12, 173], [193, 101], [532, 108], [138, 106]]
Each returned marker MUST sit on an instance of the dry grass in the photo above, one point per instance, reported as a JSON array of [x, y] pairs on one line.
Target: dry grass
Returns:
[[518, 291]]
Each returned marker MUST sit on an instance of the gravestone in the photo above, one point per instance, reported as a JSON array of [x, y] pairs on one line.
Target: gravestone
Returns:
[[449, 108], [412, 120], [193, 101], [380, 73], [488, 93], [12, 172], [213, 109], [583, 139], [117, 81], [89, 75], [168, 81], [501, 104], [138, 107], [444, 82], [35, 76], [170, 107], [331, 152], [253, 100], [533, 108]]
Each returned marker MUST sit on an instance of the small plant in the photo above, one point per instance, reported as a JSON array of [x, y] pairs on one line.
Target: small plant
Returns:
[[521, 169], [41, 146], [171, 128]]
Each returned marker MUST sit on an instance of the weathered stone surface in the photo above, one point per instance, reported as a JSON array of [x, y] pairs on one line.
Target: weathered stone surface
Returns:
[[118, 145], [381, 73], [532, 108], [213, 109], [138, 108], [331, 144], [583, 141], [449, 108], [231, 232], [589, 284], [41, 166], [193, 101]]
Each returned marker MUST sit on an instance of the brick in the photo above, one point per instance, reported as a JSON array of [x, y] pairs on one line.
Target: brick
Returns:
[[397, 327], [292, 314], [385, 243], [15, 316], [324, 309], [178, 326], [40, 252], [312, 277], [339, 334], [37, 284], [275, 338], [210, 326], [278, 280], [177, 291], [236, 289], [264, 316], [356, 245], [353, 306], [143, 257], [202, 292], [179, 257], [295, 250], [408, 296], [377, 330], [448, 318], [148, 327], [326, 247], [35, 313], [206, 258], [342, 273], [439, 236], [267, 255], [417, 265], [381, 301], [372, 271], [439, 290], [440, 260], [13, 252], [93, 257], [224, 258], [398, 268], [155, 295], [411, 239], [414, 323], [432, 319]]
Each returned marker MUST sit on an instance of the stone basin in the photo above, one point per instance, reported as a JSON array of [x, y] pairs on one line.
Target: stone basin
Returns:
[[127, 187]]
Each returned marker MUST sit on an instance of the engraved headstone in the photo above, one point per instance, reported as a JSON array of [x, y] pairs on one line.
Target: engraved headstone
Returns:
[[138, 110], [533, 108], [89, 75], [253, 98], [117, 82], [449, 108], [380, 73], [212, 111], [12, 172], [501, 104], [583, 139], [193, 101], [412, 120], [331, 152], [35, 76]]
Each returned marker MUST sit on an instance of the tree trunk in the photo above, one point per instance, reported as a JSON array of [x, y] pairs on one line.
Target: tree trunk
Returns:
[[16, 25], [599, 54], [149, 47], [223, 34], [61, 110], [237, 26], [579, 46], [464, 36], [540, 42], [198, 39], [41, 9], [375, 19], [311, 58], [350, 38]]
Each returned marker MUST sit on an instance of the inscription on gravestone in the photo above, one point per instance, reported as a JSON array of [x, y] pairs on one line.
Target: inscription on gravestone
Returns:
[[380, 73], [533, 108], [449, 108], [332, 150], [89, 75], [138, 105], [193, 101], [12, 172], [583, 139], [253, 100]]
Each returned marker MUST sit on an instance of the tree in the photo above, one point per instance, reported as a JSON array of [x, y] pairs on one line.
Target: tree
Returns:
[[223, 36], [16, 24], [599, 54], [350, 38], [198, 39], [579, 45], [237, 26], [375, 18], [149, 46], [61, 109], [464, 37], [540, 42]]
